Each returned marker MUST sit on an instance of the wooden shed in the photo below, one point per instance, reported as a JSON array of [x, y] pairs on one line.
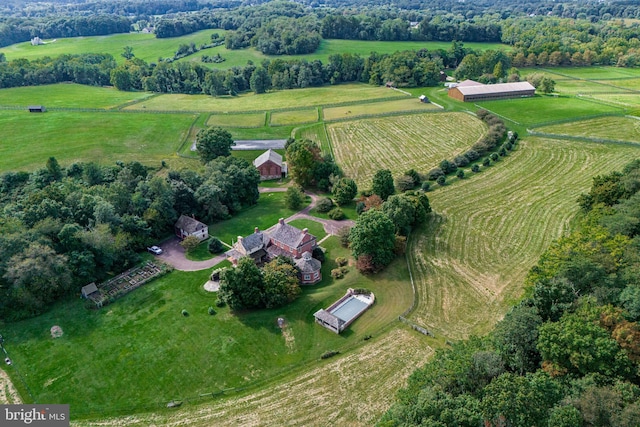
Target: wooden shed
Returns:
[[37, 109]]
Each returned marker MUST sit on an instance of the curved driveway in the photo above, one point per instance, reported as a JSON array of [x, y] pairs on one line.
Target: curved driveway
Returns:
[[174, 254]]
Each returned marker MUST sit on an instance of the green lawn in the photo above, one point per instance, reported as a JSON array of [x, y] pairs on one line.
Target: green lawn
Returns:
[[30, 139], [294, 117], [68, 95], [595, 73], [542, 109], [613, 128], [237, 120], [631, 84], [574, 87], [293, 98], [145, 46], [266, 213], [149, 353], [314, 227], [625, 100]]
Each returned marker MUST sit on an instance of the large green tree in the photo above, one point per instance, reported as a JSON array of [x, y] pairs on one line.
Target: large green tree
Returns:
[[281, 284], [213, 142], [344, 190], [374, 236], [383, 184], [242, 287], [302, 157]]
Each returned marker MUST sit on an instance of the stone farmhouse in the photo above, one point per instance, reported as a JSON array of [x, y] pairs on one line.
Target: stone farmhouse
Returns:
[[270, 165], [281, 239], [188, 226], [469, 90]]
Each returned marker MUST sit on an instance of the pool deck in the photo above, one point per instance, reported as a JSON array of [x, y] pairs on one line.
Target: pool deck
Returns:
[[339, 315]]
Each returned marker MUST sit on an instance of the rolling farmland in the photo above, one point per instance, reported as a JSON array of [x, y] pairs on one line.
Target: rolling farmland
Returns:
[[401, 143], [610, 128], [470, 262], [376, 108]]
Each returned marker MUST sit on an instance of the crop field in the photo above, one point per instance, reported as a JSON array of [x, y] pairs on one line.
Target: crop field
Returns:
[[150, 353], [294, 98], [488, 231], [542, 109], [145, 46], [376, 108], [251, 120], [400, 143], [68, 95], [612, 128], [29, 139], [294, 117]]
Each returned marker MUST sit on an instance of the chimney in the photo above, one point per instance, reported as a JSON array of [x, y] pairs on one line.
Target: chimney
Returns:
[[256, 230], [281, 221], [305, 231], [240, 239]]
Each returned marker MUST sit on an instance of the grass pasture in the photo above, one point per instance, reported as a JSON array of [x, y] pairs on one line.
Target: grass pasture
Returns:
[[575, 87], [418, 141], [145, 46], [630, 84], [376, 108], [82, 136], [252, 120], [594, 73], [542, 109], [611, 128], [625, 100], [317, 133], [294, 117], [469, 263], [68, 95], [152, 354], [294, 98]]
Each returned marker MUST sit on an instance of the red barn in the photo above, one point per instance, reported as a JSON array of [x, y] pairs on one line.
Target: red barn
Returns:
[[270, 165]]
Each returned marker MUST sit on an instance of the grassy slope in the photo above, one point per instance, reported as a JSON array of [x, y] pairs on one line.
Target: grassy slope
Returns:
[[68, 96], [150, 353], [617, 128], [470, 262], [101, 137]]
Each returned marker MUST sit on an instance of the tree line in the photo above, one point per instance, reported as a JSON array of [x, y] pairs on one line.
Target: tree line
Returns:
[[64, 227], [569, 353]]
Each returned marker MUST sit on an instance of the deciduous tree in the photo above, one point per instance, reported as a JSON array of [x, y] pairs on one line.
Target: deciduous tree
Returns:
[[213, 142]]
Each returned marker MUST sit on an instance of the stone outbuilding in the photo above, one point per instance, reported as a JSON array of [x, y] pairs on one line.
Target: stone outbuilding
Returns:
[[309, 268], [188, 226]]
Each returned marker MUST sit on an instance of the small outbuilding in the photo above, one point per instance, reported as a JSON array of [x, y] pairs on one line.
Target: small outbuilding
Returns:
[[188, 226], [309, 268], [89, 289], [37, 109], [424, 99], [270, 165]]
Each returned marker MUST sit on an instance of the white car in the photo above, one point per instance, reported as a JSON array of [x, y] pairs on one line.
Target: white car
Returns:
[[155, 250]]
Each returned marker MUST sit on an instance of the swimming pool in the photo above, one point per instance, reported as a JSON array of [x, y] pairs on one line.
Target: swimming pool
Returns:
[[349, 309]]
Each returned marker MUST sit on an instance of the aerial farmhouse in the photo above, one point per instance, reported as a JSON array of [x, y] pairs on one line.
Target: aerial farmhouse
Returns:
[[188, 226], [469, 90], [282, 239]]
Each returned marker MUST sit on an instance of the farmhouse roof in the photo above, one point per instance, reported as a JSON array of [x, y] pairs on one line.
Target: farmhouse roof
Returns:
[[266, 156], [466, 83], [329, 319], [496, 88], [288, 234], [308, 264], [188, 224], [253, 242]]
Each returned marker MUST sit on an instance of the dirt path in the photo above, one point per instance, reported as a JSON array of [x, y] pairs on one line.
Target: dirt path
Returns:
[[8, 393], [174, 254]]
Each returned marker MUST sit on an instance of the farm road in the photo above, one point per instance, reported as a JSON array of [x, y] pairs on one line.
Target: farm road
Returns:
[[174, 254]]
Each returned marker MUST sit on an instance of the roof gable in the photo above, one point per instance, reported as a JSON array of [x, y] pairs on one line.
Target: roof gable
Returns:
[[268, 155], [289, 235], [188, 224]]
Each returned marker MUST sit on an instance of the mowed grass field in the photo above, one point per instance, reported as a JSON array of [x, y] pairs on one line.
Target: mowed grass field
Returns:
[[145, 46], [611, 128], [68, 96], [237, 120], [30, 139], [283, 118], [542, 109], [294, 98], [469, 263], [376, 108], [140, 352], [418, 141]]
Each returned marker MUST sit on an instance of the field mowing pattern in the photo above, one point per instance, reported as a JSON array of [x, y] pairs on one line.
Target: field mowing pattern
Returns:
[[615, 128], [401, 143], [237, 120], [376, 108], [470, 262], [626, 100]]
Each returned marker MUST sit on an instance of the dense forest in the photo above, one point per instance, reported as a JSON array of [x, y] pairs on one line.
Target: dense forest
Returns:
[[62, 228], [569, 353]]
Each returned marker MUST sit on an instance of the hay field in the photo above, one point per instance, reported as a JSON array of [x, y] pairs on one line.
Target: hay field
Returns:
[[376, 108], [251, 120], [488, 231], [615, 128], [292, 98], [284, 118], [400, 143]]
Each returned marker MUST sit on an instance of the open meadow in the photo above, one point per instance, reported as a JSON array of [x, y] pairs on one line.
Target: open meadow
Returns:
[[487, 231], [610, 128], [140, 352], [30, 139], [418, 141], [347, 112], [251, 120]]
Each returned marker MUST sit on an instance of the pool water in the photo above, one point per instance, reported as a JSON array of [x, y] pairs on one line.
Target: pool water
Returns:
[[349, 309]]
